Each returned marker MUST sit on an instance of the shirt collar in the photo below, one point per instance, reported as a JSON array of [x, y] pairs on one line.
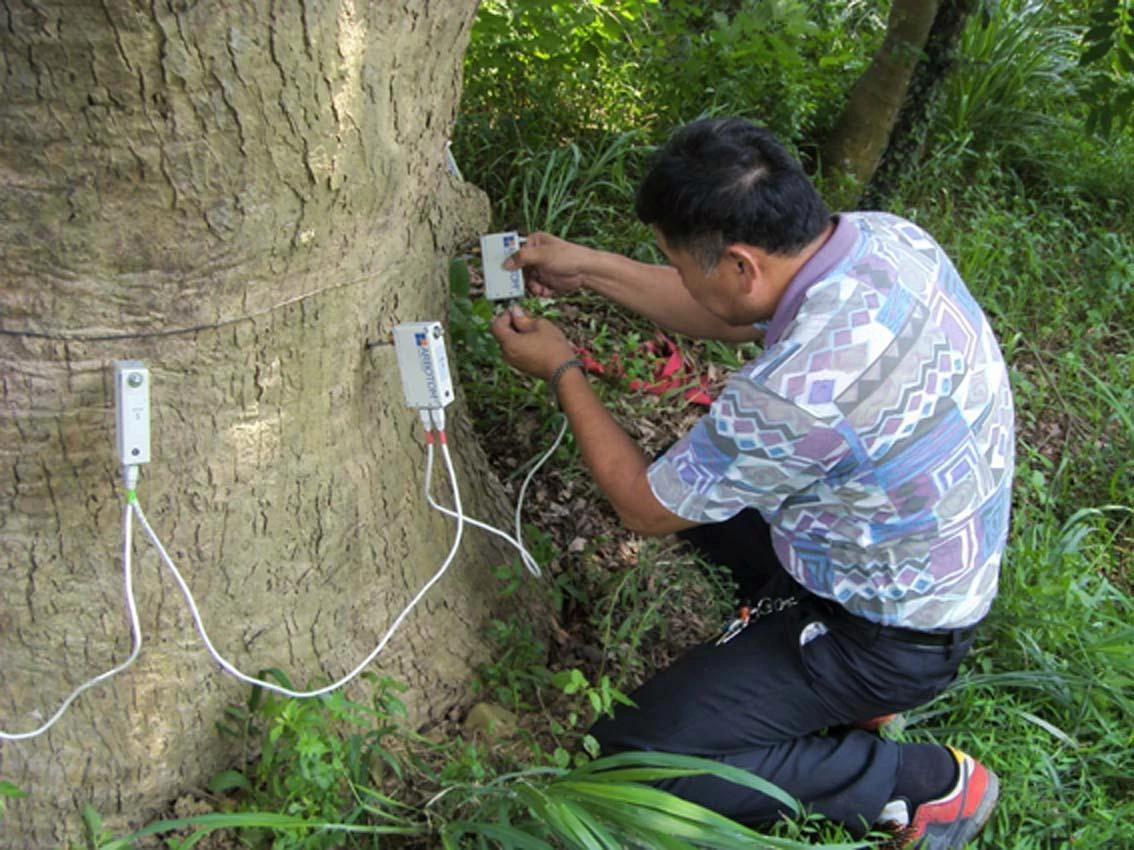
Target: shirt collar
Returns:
[[837, 246]]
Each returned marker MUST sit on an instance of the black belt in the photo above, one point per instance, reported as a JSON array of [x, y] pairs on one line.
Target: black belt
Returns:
[[942, 637]]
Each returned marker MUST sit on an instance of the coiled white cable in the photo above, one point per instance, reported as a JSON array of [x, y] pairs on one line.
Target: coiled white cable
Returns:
[[529, 560], [530, 563], [135, 628], [252, 680]]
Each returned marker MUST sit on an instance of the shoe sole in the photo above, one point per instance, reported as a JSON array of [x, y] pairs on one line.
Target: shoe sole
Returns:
[[961, 833]]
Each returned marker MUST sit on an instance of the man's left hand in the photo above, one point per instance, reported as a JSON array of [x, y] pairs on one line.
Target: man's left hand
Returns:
[[534, 346]]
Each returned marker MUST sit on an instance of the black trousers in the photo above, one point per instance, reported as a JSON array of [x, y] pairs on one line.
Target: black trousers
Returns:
[[776, 699]]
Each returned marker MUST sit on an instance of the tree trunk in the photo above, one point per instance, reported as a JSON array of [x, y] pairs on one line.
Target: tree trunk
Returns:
[[860, 135], [906, 145], [246, 197]]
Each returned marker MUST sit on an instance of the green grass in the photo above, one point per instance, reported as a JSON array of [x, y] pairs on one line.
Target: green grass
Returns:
[[1013, 81], [1057, 287]]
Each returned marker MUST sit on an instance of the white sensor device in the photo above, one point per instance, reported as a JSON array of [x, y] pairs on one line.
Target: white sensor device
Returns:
[[499, 283], [420, 347], [132, 411]]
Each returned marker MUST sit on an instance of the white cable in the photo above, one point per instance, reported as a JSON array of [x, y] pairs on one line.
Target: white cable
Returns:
[[528, 480], [529, 560], [135, 629], [530, 563], [251, 680]]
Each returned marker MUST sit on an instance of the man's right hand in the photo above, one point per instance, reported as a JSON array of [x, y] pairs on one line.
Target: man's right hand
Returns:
[[552, 266]]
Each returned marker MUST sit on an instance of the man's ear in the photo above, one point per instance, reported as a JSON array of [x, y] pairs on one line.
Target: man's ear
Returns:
[[744, 266]]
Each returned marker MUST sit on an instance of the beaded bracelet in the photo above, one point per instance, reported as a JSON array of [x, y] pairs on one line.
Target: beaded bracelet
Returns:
[[553, 381]]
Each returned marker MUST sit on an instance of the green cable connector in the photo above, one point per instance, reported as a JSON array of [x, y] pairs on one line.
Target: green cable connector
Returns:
[[131, 497]]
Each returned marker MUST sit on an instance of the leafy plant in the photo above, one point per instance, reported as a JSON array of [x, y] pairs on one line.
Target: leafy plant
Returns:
[[469, 320], [314, 756], [602, 696], [1012, 84], [517, 668], [544, 59], [604, 805], [1108, 53], [771, 60]]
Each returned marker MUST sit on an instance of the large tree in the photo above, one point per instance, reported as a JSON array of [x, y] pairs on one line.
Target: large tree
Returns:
[[246, 196]]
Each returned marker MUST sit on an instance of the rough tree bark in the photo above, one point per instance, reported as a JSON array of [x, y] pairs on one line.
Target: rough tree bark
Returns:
[[245, 196], [862, 132]]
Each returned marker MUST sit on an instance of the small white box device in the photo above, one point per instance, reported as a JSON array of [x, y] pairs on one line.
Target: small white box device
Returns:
[[132, 411], [499, 283], [420, 347]]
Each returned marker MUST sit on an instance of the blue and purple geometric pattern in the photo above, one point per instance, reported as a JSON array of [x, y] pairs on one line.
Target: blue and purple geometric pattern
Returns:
[[875, 434]]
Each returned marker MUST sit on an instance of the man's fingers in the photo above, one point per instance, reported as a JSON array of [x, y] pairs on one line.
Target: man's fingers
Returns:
[[519, 259], [501, 326], [522, 322], [529, 254], [513, 321]]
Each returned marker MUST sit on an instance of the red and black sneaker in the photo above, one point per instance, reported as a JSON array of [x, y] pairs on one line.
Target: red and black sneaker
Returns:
[[950, 822]]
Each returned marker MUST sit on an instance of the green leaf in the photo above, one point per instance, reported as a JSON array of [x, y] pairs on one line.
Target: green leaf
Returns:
[[1124, 103], [650, 811], [1106, 119], [645, 797], [506, 836], [93, 821], [1051, 729], [459, 278], [682, 821], [701, 765], [1101, 32], [646, 774], [570, 681], [229, 780], [1117, 642], [561, 757], [652, 829], [1095, 52], [578, 827], [246, 820], [1125, 59]]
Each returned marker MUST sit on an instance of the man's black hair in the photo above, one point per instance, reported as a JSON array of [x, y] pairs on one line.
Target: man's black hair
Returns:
[[719, 181]]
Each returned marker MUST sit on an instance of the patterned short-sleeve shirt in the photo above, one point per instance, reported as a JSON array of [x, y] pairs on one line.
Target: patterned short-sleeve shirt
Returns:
[[875, 433]]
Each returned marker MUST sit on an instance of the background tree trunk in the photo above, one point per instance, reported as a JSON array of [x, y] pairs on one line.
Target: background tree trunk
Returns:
[[242, 195], [906, 144], [862, 132]]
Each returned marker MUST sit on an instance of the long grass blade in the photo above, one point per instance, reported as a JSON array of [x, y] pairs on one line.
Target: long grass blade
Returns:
[[506, 836], [599, 768], [246, 820]]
